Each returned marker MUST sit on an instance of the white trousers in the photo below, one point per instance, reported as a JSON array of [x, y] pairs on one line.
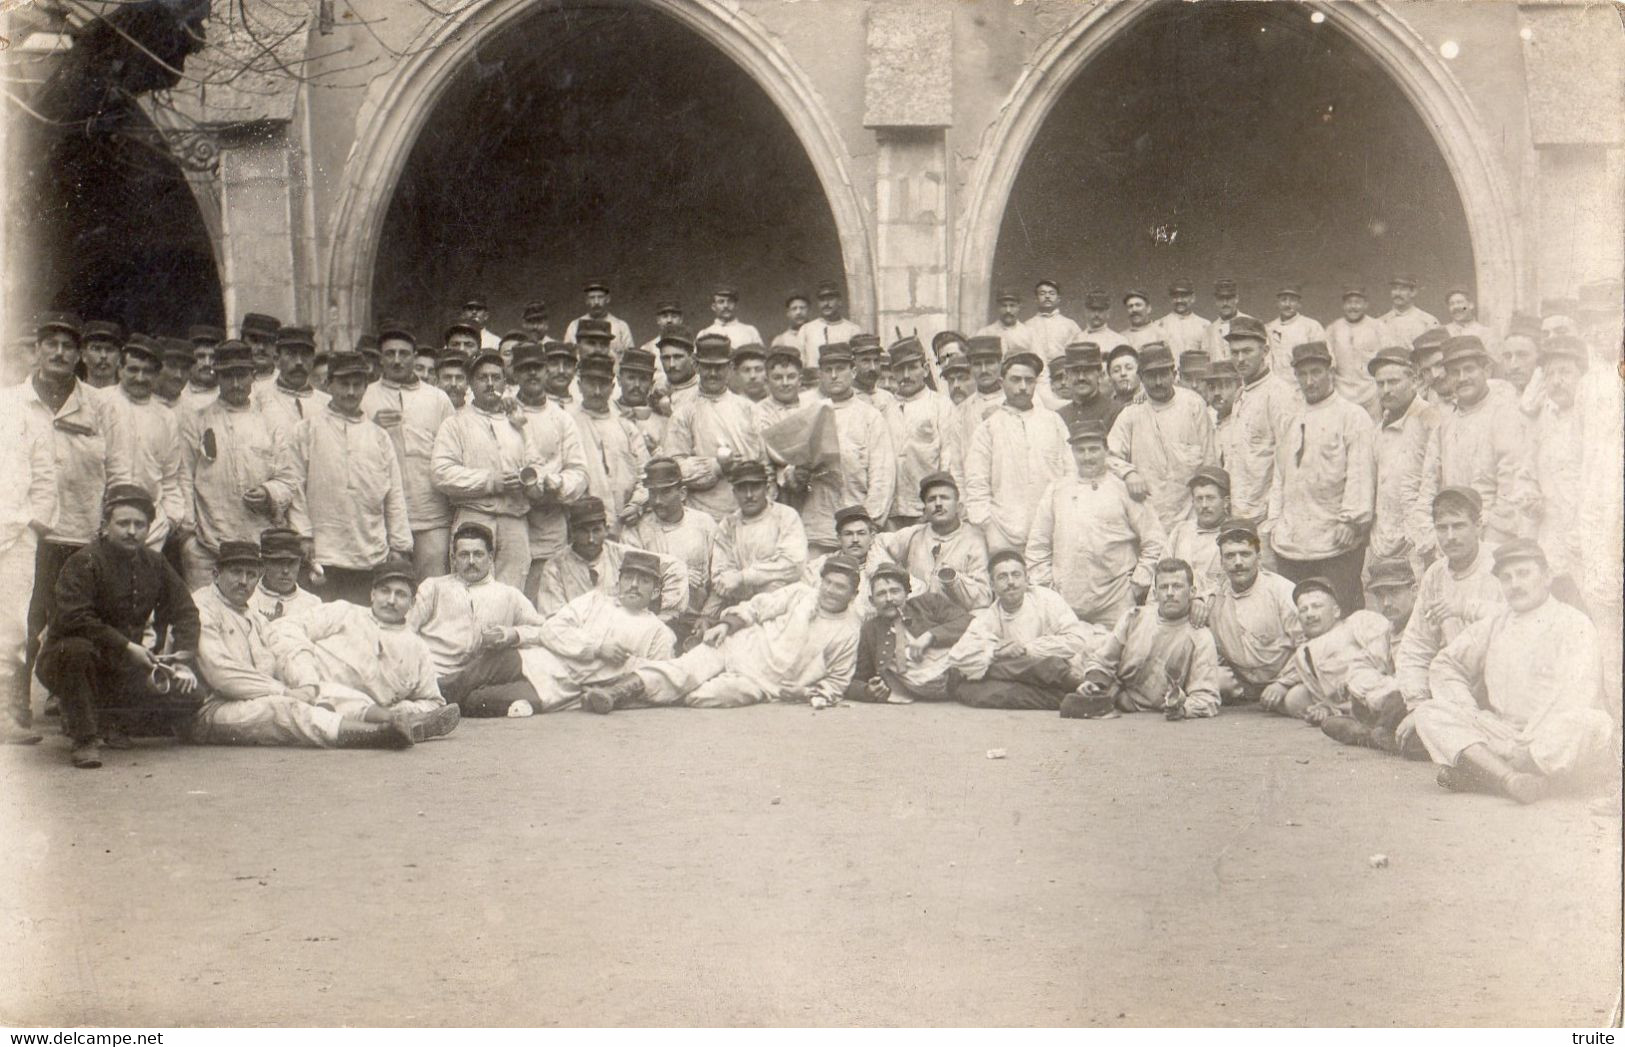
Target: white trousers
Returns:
[[16, 582], [271, 720], [1563, 741], [702, 679]]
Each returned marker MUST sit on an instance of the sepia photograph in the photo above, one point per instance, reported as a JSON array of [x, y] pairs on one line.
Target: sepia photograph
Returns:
[[809, 514]]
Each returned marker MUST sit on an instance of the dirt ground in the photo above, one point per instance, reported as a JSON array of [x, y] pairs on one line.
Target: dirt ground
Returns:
[[776, 866]]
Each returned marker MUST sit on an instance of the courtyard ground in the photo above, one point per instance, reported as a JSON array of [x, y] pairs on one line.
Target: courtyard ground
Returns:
[[862, 865]]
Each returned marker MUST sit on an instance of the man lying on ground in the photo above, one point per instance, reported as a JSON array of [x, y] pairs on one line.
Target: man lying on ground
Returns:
[[794, 644], [1155, 660], [1344, 664]]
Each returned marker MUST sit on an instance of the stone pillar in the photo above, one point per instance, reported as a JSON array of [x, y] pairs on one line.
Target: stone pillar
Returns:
[[1576, 78], [259, 263], [908, 102]]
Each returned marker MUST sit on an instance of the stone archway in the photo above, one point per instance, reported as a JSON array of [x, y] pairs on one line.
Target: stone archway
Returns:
[[1423, 78], [397, 108]]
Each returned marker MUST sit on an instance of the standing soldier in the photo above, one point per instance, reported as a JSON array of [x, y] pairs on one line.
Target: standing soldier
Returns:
[[1408, 421], [200, 386], [783, 387], [1265, 408], [259, 330], [1464, 319], [349, 503], [726, 322], [867, 472], [1142, 329], [867, 366], [235, 477], [829, 327], [1050, 332], [100, 348], [1354, 338], [1123, 373], [1482, 443], [1182, 328], [1322, 501], [1097, 311], [89, 450], [1160, 443], [614, 448], [498, 468], [926, 418], [1220, 388], [1290, 328], [152, 445], [668, 317], [290, 398], [1404, 322], [1228, 302], [1559, 459], [1086, 380], [985, 356], [679, 378], [713, 430], [636, 381], [1090, 541], [534, 321], [597, 292], [411, 412], [1013, 457], [28, 471], [1007, 327], [797, 308]]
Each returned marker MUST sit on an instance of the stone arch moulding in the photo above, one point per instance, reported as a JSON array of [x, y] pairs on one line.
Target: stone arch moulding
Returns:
[[396, 108], [1370, 25]]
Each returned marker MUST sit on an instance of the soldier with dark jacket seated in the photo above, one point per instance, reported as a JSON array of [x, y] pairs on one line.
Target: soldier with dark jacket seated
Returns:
[[903, 648], [107, 681]]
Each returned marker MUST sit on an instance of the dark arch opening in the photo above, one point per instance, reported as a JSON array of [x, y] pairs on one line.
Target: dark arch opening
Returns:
[[1242, 141], [108, 228], [603, 141]]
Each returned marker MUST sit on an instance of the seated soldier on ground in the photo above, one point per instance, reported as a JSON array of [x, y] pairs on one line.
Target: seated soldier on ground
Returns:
[[593, 561], [1343, 670], [93, 658], [473, 625], [1456, 590], [1517, 697], [1026, 650], [1155, 660], [249, 704], [761, 545], [794, 644], [364, 660], [1391, 592], [1252, 617], [903, 649], [278, 595], [950, 554], [597, 636]]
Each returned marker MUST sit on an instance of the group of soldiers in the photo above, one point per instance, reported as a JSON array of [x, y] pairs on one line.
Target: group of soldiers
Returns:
[[268, 540]]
